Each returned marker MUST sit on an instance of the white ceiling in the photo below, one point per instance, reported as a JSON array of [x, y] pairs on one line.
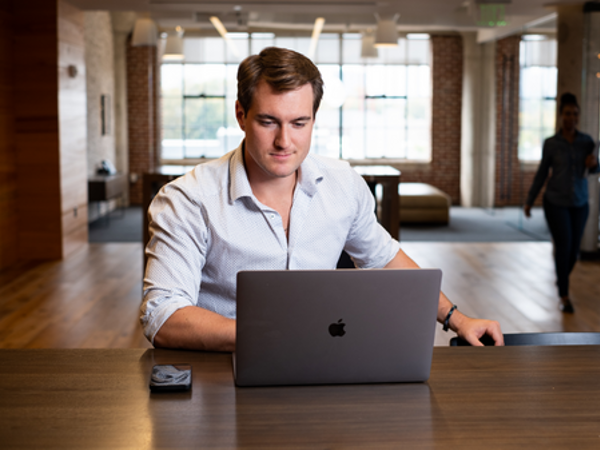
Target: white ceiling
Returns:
[[340, 15]]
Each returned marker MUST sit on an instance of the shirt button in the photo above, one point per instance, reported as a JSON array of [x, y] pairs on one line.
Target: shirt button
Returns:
[[272, 216]]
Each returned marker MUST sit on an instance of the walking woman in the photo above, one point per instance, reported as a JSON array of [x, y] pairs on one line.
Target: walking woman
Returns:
[[570, 156]]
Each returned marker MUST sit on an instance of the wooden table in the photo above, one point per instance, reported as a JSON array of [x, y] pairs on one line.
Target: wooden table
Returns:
[[388, 178], [102, 188], [517, 397]]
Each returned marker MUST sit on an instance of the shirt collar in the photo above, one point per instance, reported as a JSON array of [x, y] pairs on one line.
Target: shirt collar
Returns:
[[309, 177], [240, 186], [578, 135]]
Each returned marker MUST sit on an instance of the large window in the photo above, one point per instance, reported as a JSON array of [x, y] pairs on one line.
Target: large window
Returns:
[[372, 108], [537, 115]]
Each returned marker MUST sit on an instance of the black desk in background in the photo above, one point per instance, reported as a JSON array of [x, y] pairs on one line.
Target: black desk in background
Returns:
[[389, 179], [102, 188]]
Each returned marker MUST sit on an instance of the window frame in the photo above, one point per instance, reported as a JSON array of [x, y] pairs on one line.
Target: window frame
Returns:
[[340, 136], [543, 132]]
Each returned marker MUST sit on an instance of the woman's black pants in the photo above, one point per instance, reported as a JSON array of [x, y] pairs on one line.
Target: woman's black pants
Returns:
[[566, 226]]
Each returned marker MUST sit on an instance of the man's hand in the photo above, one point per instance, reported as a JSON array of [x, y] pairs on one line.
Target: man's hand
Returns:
[[471, 330], [527, 210]]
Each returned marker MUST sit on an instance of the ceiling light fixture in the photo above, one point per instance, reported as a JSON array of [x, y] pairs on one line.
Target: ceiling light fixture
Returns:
[[368, 49], [314, 40], [387, 34], [144, 32], [223, 32], [174, 46]]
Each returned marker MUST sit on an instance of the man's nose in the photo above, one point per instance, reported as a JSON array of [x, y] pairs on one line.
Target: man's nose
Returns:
[[282, 139]]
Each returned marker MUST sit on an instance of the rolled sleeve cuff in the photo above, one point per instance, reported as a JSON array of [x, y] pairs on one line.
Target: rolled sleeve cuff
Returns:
[[383, 258], [393, 248], [155, 313]]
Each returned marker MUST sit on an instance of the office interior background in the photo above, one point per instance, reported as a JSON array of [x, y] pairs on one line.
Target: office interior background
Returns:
[[462, 101]]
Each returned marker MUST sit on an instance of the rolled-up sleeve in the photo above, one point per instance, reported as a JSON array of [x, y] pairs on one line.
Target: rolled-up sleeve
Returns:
[[176, 254]]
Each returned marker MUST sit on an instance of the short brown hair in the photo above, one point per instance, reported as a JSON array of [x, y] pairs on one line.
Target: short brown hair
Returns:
[[283, 69]]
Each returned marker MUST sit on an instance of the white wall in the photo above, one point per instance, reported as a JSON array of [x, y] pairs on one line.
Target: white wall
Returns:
[[99, 62], [478, 123], [122, 23]]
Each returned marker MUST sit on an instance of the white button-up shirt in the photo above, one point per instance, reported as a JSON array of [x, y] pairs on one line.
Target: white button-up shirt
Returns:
[[207, 225]]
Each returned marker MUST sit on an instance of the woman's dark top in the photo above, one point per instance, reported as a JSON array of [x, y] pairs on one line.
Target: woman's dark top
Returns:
[[568, 184]]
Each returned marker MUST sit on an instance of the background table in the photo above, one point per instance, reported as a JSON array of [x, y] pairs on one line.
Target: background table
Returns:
[[102, 188], [519, 397], [389, 179]]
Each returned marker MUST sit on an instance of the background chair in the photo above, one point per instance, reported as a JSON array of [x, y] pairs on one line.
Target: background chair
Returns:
[[562, 338]]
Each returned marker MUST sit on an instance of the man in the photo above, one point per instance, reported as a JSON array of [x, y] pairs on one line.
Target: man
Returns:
[[266, 205]]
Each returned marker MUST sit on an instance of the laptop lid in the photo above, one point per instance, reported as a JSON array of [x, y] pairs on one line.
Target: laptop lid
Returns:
[[335, 326]]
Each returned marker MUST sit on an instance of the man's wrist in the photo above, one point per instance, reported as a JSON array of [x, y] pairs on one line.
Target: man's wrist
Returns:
[[455, 321], [449, 314]]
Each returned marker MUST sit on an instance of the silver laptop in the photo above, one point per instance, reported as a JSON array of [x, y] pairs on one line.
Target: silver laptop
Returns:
[[335, 326]]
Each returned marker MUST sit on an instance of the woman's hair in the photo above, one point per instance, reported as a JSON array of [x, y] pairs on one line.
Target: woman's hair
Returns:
[[284, 70], [567, 99]]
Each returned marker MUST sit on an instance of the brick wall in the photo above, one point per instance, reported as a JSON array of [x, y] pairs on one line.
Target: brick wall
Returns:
[[143, 115], [508, 181], [512, 179], [447, 72]]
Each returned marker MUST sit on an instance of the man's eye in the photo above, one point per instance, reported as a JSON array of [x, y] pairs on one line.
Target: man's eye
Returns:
[[266, 122], [299, 124]]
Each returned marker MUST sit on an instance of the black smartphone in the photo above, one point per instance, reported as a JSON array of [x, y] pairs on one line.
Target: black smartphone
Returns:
[[171, 378]]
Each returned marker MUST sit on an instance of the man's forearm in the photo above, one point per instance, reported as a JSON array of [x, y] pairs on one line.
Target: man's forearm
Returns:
[[195, 328]]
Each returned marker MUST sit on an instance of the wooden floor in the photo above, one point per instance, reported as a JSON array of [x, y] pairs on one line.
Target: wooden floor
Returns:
[[91, 299]]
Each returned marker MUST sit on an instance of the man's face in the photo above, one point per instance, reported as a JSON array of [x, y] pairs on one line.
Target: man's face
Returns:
[[278, 129]]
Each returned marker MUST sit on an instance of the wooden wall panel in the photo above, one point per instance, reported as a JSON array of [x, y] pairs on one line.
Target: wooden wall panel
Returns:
[[72, 106], [8, 164], [50, 128], [36, 130], [35, 245], [75, 230]]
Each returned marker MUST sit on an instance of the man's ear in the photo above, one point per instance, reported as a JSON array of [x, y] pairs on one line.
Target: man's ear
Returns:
[[240, 115]]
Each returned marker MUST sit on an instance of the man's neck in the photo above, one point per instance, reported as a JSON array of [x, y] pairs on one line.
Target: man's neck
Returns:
[[273, 192]]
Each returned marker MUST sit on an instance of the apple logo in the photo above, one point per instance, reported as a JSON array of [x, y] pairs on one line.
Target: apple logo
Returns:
[[337, 329]]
